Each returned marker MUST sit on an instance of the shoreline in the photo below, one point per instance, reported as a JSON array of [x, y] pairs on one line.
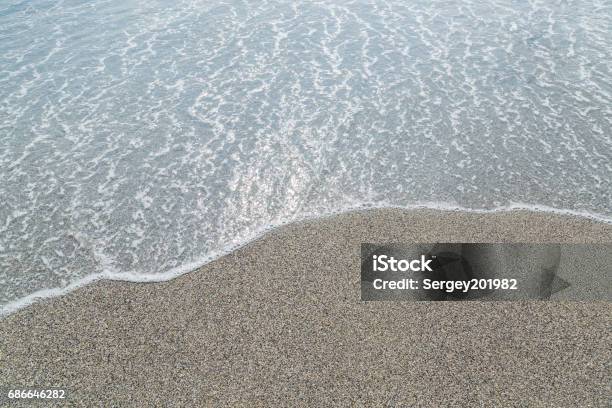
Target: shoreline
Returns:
[[280, 320], [191, 267]]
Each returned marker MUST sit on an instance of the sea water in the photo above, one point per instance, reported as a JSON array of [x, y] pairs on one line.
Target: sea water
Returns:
[[139, 139]]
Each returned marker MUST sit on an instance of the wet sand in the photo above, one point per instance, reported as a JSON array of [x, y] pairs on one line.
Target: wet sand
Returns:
[[280, 322]]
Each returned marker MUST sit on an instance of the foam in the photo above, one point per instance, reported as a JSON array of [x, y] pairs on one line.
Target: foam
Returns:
[[138, 138]]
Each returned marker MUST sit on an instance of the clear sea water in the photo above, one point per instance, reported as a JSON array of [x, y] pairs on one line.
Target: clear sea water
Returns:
[[140, 138]]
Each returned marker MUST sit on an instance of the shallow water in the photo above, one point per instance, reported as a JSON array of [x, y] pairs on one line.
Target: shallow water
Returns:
[[140, 137]]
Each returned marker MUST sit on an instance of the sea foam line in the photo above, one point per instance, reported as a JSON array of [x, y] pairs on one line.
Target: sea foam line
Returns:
[[41, 294]]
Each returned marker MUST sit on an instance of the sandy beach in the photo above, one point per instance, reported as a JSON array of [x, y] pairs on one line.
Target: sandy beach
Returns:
[[279, 322]]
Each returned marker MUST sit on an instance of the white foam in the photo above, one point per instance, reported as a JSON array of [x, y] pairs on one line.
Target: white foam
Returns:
[[138, 137]]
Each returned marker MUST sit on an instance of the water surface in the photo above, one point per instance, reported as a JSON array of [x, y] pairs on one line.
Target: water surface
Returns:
[[137, 137]]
